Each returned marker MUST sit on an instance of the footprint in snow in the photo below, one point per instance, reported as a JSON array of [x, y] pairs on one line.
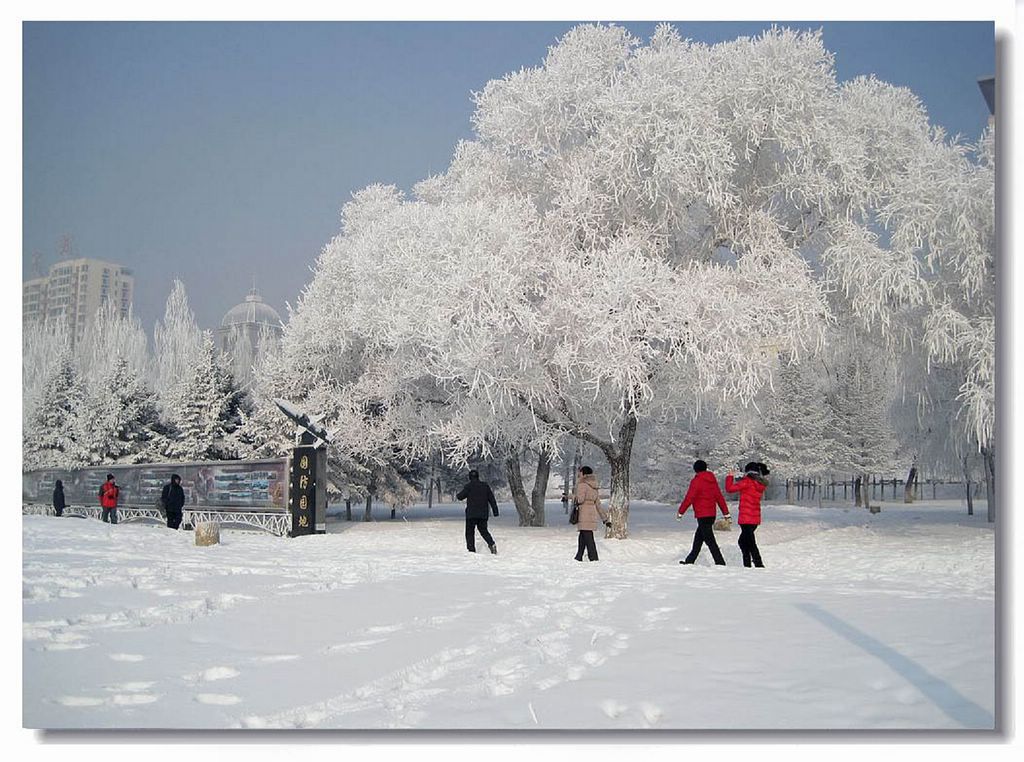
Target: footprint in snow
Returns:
[[613, 708], [134, 699], [355, 647], [129, 687], [218, 699], [211, 674], [651, 713], [80, 701], [127, 657], [64, 646]]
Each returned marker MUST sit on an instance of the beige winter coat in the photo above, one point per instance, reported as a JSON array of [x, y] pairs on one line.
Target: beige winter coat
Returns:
[[589, 502]]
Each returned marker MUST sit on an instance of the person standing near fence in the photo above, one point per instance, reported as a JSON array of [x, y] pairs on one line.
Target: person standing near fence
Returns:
[[109, 493], [173, 498], [751, 487], [706, 497], [588, 503], [478, 497], [58, 498]]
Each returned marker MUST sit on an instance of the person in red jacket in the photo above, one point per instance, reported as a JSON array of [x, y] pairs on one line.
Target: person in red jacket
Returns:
[[705, 497], [750, 486], [108, 499]]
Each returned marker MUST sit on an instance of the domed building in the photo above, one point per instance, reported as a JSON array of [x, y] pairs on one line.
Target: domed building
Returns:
[[241, 331]]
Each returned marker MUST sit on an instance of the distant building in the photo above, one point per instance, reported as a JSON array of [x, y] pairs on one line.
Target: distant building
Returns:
[[243, 328], [74, 289]]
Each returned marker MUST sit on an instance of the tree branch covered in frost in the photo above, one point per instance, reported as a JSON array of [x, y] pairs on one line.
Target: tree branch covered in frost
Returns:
[[641, 229]]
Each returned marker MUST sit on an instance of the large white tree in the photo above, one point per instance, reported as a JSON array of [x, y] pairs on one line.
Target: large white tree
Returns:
[[635, 227]]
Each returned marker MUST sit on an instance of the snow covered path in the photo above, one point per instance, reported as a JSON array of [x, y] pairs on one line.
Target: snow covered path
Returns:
[[858, 621]]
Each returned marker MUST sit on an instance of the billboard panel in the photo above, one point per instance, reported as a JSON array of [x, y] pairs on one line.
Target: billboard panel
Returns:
[[234, 484]]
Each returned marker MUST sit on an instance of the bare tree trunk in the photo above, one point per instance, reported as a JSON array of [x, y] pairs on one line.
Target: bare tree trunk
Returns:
[[368, 516], [348, 508], [908, 488], [514, 474], [789, 491], [430, 483], [565, 482], [618, 456], [857, 492], [989, 456], [540, 488], [967, 487]]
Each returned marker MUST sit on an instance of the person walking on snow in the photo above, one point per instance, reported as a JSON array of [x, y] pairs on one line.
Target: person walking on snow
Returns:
[[751, 487], [705, 497], [58, 498], [108, 499], [478, 497], [588, 502], [173, 497]]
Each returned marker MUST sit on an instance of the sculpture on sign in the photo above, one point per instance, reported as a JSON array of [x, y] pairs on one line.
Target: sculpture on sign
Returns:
[[304, 421]]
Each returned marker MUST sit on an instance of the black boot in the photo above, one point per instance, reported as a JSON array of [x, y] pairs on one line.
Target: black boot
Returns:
[[494, 549]]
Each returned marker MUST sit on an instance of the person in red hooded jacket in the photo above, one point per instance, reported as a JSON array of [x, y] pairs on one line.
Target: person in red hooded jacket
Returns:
[[705, 497], [108, 494], [750, 486]]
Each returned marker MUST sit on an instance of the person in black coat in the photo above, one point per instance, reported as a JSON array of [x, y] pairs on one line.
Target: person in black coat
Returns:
[[478, 497], [58, 498], [173, 498]]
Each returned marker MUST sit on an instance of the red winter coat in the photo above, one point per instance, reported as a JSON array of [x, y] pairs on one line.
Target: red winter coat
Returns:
[[108, 495], [704, 495], [750, 490]]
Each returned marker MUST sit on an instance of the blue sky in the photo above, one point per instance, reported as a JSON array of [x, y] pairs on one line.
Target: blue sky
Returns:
[[222, 152]]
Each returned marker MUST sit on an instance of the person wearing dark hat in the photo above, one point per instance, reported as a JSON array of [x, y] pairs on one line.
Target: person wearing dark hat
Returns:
[[751, 487], [58, 498], [588, 501], [173, 498], [109, 492], [478, 497], [706, 497]]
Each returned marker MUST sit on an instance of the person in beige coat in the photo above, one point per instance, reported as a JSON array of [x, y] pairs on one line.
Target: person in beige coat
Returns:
[[589, 503]]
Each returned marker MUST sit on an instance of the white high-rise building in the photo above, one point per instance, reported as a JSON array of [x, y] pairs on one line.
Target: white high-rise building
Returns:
[[75, 289]]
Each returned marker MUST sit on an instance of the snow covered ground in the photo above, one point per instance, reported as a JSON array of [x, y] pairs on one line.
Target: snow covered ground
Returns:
[[859, 621]]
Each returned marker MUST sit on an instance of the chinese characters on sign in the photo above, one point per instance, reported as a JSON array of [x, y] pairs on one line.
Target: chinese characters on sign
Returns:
[[306, 494]]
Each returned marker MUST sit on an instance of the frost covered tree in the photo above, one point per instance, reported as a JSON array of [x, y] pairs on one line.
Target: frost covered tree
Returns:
[[178, 345], [634, 227], [208, 414], [794, 424], [44, 344], [860, 437], [117, 420], [49, 434]]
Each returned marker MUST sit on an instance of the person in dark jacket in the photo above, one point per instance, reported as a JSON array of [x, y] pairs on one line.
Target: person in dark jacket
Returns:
[[173, 498], [58, 498], [478, 497], [109, 492], [751, 487], [705, 497]]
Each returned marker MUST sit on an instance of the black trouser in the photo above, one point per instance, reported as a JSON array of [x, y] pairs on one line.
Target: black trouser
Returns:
[[110, 515], [471, 526], [587, 542], [705, 535], [748, 545], [173, 518]]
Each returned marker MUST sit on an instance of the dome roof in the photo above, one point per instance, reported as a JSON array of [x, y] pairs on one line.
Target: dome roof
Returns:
[[252, 310]]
